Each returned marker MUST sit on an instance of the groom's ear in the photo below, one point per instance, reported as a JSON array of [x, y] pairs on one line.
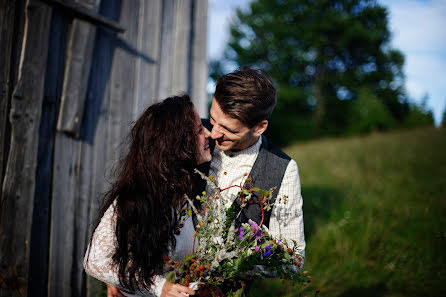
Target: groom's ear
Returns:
[[260, 128]]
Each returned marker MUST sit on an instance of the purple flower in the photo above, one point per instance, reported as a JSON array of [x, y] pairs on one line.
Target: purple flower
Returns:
[[241, 234], [267, 253], [268, 247], [254, 226], [257, 248], [258, 234]]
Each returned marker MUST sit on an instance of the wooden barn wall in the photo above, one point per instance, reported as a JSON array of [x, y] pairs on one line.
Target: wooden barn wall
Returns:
[[94, 83]]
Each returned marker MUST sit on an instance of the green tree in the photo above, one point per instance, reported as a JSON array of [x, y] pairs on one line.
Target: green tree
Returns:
[[443, 120], [320, 53], [419, 114]]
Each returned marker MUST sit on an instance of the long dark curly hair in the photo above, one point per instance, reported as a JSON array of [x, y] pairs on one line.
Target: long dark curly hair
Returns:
[[151, 182]]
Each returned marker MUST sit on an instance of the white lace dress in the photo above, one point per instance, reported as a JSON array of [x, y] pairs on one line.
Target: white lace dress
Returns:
[[102, 246]]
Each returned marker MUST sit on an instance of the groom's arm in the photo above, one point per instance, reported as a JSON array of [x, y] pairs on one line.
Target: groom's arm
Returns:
[[286, 221], [287, 217]]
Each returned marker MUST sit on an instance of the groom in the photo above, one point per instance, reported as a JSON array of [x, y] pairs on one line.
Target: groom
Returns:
[[242, 104]]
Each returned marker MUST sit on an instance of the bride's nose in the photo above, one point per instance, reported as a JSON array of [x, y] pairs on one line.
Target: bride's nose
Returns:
[[206, 132]]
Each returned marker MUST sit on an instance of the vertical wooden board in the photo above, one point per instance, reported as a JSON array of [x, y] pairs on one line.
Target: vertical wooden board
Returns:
[[76, 77], [7, 11], [123, 80], [77, 69], [19, 182], [147, 64], [38, 270], [82, 52], [166, 50], [62, 215], [198, 60], [181, 46], [81, 215], [94, 128]]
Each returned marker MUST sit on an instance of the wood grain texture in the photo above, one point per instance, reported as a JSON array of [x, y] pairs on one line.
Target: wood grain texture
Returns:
[[73, 163], [182, 30], [19, 182], [7, 10], [166, 51], [198, 75], [77, 70], [40, 232]]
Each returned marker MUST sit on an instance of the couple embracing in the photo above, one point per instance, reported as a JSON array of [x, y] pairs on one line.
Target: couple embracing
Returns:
[[139, 224]]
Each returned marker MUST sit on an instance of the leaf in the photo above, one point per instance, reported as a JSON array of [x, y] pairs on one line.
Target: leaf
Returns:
[[255, 189], [189, 212], [171, 277], [237, 263], [239, 293], [188, 258]]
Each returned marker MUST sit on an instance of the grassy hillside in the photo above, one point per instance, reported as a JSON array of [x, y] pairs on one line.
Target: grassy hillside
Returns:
[[375, 216]]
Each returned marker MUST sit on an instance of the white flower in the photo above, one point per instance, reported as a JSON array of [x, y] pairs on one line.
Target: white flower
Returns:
[[218, 240]]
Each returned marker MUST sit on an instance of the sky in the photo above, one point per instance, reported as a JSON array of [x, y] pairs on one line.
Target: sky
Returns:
[[418, 30]]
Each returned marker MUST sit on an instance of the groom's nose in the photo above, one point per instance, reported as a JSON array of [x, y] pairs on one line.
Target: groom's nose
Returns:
[[216, 133]]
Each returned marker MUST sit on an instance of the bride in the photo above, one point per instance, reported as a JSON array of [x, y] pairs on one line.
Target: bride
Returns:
[[139, 224]]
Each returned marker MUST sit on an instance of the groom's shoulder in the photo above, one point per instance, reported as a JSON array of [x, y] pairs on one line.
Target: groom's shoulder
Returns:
[[274, 149]]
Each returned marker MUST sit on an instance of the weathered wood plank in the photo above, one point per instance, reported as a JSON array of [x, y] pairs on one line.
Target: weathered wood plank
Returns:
[[77, 70], [18, 190], [83, 200], [181, 47], [38, 267], [72, 166], [81, 11], [199, 65], [62, 215], [96, 118], [12, 16], [7, 10], [123, 82], [165, 72], [94, 132], [149, 36]]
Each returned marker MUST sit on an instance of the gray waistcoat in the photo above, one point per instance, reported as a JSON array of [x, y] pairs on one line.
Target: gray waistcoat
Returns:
[[267, 172]]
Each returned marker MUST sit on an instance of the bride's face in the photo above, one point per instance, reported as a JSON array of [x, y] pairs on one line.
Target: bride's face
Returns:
[[203, 151]]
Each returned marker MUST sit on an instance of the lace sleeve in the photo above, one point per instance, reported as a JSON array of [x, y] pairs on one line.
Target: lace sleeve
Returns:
[[98, 258]]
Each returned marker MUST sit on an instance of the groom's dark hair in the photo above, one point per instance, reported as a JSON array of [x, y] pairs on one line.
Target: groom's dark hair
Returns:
[[247, 94]]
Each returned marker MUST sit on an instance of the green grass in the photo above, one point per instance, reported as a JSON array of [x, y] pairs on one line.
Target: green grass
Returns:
[[375, 216]]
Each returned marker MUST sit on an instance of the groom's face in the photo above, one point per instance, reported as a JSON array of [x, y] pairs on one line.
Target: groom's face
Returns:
[[229, 133]]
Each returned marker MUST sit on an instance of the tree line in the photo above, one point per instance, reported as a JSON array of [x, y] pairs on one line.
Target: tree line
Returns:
[[333, 64]]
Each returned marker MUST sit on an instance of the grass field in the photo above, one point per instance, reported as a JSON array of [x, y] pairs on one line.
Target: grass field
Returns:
[[375, 216]]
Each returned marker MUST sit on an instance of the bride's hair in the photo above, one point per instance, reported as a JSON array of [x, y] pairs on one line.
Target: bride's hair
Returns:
[[152, 179]]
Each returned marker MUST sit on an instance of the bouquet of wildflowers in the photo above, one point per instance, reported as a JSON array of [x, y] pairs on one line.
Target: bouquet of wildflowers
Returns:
[[227, 255]]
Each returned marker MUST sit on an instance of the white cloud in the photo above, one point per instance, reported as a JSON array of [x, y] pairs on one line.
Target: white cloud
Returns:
[[418, 25], [220, 14]]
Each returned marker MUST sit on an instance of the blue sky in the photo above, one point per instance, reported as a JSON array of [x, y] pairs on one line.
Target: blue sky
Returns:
[[418, 30]]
